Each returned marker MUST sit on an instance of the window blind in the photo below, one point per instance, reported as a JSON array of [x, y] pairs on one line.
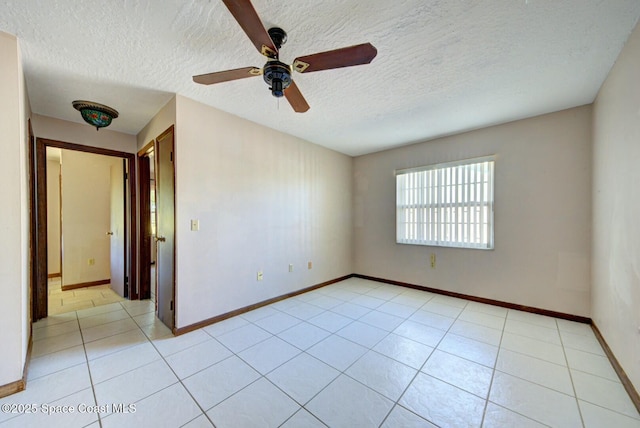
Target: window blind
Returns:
[[449, 204]]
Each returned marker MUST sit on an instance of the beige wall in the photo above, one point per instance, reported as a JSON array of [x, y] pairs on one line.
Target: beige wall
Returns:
[[264, 200], [82, 133], [160, 123], [53, 216], [616, 209], [14, 224], [25, 226], [86, 214], [542, 215]]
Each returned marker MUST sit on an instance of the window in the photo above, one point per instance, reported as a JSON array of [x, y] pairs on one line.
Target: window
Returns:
[[447, 205]]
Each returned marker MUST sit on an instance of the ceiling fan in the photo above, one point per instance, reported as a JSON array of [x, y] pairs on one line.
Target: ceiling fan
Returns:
[[278, 74]]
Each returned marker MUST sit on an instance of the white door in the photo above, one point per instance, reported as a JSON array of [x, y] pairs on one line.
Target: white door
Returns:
[[118, 228]]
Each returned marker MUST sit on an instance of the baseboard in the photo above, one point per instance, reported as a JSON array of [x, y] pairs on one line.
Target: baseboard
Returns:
[[218, 318], [85, 284], [626, 382], [54, 275], [21, 384], [222, 317], [570, 317]]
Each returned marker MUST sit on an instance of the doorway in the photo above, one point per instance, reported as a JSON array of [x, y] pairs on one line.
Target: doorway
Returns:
[[157, 225], [86, 230], [120, 231]]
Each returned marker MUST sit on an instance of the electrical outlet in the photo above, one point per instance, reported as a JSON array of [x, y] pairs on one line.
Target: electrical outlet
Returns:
[[310, 265], [433, 260], [259, 276], [91, 262], [290, 268]]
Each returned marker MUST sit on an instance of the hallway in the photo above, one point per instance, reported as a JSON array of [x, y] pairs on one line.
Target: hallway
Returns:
[[81, 298]]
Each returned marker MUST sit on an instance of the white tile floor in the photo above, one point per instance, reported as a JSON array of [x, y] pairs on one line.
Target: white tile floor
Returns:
[[353, 354], [60, 301]]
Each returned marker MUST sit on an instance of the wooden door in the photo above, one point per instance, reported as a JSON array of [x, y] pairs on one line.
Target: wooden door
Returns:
[[165, 226]]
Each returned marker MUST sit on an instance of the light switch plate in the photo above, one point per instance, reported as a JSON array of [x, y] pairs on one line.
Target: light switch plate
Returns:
[[195, 225]]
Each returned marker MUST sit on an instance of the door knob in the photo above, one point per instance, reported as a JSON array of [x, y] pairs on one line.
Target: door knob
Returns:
[[110, 233], [161, 239]]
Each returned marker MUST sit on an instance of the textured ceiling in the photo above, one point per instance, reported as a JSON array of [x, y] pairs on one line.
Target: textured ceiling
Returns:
[[443, 66]]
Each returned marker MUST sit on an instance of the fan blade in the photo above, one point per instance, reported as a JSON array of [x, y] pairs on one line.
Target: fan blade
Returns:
[[345, 57], [295, 98], [247, 17], [226, 76]]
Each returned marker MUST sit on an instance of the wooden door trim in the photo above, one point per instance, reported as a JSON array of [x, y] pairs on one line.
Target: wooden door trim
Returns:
[[39, 220], [144, 191], [33, 248], [40, 267], [147, 148], [166, 131], [59, 221]]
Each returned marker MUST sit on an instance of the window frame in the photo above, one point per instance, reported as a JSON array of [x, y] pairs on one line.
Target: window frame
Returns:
[[452, 202]]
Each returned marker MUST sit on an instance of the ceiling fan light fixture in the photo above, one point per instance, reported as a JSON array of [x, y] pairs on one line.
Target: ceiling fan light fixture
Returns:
[[95, 114], [278, 75], [276, 88]]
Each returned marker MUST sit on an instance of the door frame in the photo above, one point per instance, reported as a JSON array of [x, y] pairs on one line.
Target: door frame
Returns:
[[144, 190], [39, 220]]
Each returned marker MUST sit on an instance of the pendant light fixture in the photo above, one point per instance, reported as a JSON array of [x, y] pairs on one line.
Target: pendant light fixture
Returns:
[[95, 114]]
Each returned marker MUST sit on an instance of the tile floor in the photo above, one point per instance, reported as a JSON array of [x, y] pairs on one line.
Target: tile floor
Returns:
[[353, 354], [81, 298]]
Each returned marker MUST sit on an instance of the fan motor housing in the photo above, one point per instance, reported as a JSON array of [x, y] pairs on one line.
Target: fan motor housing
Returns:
[[278, 75], [278, 36]]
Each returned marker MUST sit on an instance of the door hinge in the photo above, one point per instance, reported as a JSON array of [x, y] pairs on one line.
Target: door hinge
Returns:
[[126, 280], [172, 305], [126, 175], [171, 156]]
